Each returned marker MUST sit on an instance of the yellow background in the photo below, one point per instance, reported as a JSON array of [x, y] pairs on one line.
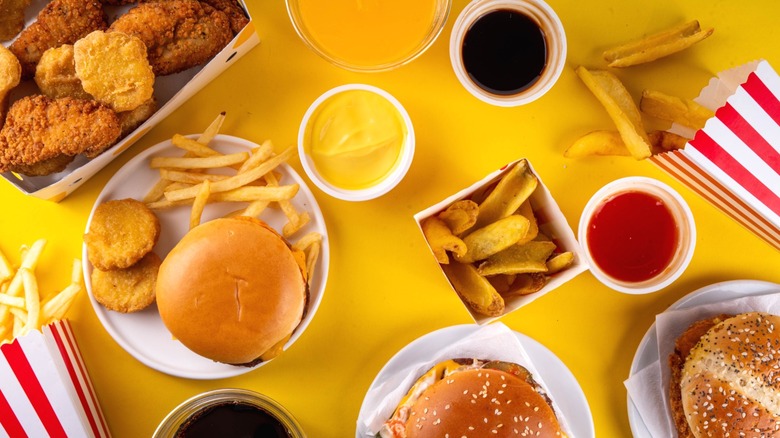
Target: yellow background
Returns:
[[385, 289]]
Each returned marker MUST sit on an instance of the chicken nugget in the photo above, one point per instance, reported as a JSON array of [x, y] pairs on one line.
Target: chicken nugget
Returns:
[[121, 233], [38, 128], [179, 34], [60, 22], [12, 18], [114, 69], [56, 74], [133, 119], [127, 290], [10, 75]]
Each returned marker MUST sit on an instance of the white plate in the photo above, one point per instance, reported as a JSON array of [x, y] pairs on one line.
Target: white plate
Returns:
[[142, 334], [558, 379], [647, 352]]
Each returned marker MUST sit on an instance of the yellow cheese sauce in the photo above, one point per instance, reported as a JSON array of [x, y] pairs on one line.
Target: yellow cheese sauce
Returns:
[[355, 139]]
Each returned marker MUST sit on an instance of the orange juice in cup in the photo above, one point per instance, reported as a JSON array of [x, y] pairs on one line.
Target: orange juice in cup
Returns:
[[368, 35]]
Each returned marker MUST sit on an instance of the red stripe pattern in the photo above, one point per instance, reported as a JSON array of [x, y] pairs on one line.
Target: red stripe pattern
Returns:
[[8, 420]]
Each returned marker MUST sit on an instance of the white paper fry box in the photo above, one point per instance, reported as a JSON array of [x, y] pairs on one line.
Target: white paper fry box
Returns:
[[734, 161], [551, 222], [170, 91], [45, 389]]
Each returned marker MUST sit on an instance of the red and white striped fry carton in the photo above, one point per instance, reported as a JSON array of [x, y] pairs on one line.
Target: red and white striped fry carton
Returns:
[[734, 161], [45, 389]]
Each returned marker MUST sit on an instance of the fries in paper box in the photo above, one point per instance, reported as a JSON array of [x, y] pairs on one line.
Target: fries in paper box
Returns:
[[45, 389], [734, 161], [501, 243]]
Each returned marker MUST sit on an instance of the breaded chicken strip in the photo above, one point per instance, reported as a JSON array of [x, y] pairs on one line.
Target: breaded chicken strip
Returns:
[[233, 10], [178, 34], [60, 22], [38, 129]]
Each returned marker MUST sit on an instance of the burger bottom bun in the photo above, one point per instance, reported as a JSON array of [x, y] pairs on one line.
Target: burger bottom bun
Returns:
[[731, 382], [230, 290], [481, 403]]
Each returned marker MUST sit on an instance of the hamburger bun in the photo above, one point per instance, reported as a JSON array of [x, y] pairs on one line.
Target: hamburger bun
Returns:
[[730, 382], [480, 399], [231, 290]]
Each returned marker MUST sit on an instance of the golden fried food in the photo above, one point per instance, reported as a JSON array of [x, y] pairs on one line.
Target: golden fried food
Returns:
[[127, 290], [120, 233], [55, 74], [12, 18], [57, 163], [113, 68], [60, 22], [38, 128], [657, 45], [674, 109], [10, 75], [179, 34], [133, 119], [234, 12]]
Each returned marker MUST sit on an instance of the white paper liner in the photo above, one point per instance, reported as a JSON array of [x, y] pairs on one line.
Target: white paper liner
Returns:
[[648, 389], [493, 341]]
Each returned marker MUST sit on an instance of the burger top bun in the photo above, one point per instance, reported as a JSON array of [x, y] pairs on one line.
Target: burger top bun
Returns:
[[731, 379], [230, 290], [481, 403]]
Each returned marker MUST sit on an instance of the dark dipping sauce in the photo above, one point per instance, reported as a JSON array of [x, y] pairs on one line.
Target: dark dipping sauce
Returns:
[[504, 52], [232, 420], [632, 236]]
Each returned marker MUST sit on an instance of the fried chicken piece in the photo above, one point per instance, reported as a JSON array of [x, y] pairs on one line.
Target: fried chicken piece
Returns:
[[39, 128], [234, 12], [133, 119], [179, 34], [58, 163], [12, 18], [56, 74], [10, 75], [120, 233], [60, 22], [127, 290]]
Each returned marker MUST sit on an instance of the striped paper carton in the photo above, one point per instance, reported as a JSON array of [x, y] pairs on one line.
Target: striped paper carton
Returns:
[[45, 389], [734, 161]]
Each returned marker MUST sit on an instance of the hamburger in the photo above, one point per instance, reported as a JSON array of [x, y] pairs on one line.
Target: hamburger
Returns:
[[725, 377], [233, 291], [474, 398]]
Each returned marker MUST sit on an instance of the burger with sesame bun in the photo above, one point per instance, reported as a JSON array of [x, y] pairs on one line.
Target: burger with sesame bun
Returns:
[[725, 377], [474, 398]]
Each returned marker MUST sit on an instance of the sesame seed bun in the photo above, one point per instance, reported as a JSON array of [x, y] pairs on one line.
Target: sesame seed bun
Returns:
[[474, 398], [231, 290], [730, 380]]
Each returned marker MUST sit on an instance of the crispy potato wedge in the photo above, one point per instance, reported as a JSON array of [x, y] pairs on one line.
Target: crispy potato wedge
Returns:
[[621, 108], [518, 259], [674, 109], [441, 239], [515, 187], [664, 141], [460, 216], [559, 262], [493, 238], [501, 282], [601, 143], [474, 289], [527, 212], [657, 45], [526, 284]]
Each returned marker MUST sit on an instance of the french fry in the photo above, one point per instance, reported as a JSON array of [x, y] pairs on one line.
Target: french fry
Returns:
[[55, 308], [527, 212], [157, 191], [213, 129], [621, 108], [195, 147], [6, 270], [199, 203], [189, 177], [664, 141], [12, 301], [312, 254], [238, 180], [525, 284], [474, 289], [601, 143], [559, 262], [259, 154], [307, 240], [658, 45], [515, 187], [295, 220], [199, 162], [674, 109], [441, 239], [31, 300], [460, 216], [493, 238], [241, 194]]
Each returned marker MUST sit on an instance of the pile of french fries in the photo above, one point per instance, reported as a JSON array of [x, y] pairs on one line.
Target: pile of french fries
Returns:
[[203, 175], [491, 247], [631, 138], [23, 307]]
